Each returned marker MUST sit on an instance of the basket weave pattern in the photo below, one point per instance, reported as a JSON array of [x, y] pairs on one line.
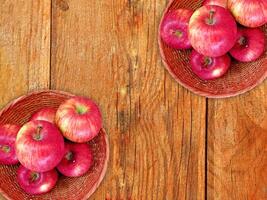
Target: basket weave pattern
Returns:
[[241, 77], [19, 111]]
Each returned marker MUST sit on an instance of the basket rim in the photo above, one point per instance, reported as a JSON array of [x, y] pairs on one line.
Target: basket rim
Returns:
[[192, 89], [107, 155]]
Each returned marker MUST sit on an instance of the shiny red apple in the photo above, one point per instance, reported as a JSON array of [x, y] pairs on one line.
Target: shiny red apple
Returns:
[[35, 183], [174, 28], [208, 68], [8, 134], [77, 160], [212, 31], [250, 44], [222, 3], [79, 119], [249, 13], [45, 114], [39, 146]]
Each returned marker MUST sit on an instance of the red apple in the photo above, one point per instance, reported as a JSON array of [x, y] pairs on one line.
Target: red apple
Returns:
[[250, 44], [77, 160], [208, 68], [249, 13], [39, 146], [35, 183], [212, 31], [45, 114], [222, 3], [174, 28], [79, 119], [8, 134]]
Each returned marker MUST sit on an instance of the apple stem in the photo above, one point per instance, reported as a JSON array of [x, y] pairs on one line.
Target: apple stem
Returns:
[[5, 148], [207, 61], [34, 176], [178, 33], [211, 19], [37, 135], [69, 156], [242, 41], [81, 109]]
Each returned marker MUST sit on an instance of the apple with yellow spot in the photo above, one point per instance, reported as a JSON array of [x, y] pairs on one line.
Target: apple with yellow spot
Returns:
[[79, 119]]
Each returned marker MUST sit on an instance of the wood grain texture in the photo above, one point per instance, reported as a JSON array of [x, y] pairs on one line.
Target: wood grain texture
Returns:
[[108, 51], [237, 147], [24, 47]]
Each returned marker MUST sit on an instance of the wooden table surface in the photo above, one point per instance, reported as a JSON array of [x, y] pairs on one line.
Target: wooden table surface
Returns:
[[165, 142]]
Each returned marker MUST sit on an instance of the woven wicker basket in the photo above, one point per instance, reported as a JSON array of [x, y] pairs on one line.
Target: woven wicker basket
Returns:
[[19, 111], [241, 78]]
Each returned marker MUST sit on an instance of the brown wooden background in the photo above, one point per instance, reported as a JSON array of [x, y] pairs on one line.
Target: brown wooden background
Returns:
[[166, 143]]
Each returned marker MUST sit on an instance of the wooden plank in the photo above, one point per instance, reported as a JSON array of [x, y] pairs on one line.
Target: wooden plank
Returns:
[[24, 47], [237, 141], [108, 51]]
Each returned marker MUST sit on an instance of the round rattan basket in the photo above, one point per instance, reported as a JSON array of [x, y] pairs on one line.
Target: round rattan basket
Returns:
[[19, 112], [241, 78]]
